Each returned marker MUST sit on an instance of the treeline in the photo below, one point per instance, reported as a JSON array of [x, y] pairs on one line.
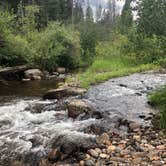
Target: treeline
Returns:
[[51, 33]]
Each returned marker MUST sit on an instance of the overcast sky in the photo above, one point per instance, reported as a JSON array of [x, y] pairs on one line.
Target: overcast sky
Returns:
[[94, 3]]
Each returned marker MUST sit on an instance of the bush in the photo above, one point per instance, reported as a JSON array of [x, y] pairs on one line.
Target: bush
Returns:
[[88, 46], [162, 62], [15, 51], [13, 48], [145, 49], [158, 100], [56, 46]]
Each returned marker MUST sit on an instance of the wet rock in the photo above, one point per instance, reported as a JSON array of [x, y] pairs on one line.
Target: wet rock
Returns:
[[73, 146], [103, 139], [89, 163], [161, 147], [74, 91], [26, 80], [137, 138], [36, 78], [61, 70], [55, 93], [13, 73], [61, 77], [77, 107], [134, 126], [65, 91], [104, 156], [53, 155], [93, 153], [137, 161], [157, 163], [81, 163], [111, 148], [33, 74], [118, 159]]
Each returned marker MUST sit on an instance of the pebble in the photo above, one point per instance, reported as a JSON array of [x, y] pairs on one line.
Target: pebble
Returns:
[[104, 156], [89, 163], [111, 148], [137, 138], [93, 153]]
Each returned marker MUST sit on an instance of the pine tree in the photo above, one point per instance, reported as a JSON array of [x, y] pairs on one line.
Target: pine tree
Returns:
[[89, 13], [152, 17], [98, 13], [78, 12], [126, 19], [109, 14]]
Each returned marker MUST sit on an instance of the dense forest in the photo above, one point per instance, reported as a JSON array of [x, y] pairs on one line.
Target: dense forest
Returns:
[[75, 34], [70, 33]]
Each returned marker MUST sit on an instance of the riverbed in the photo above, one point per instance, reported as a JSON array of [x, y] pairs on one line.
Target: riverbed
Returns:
[[30, 126]]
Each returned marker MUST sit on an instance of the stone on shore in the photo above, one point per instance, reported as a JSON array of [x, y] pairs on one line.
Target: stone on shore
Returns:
[[61, 70], [33, 74]]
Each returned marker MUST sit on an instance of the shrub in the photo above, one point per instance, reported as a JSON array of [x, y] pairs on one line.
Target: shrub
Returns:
[[88, 46], [13, 48], [158, 99], [56, 46], [16, 51], [145, 49]]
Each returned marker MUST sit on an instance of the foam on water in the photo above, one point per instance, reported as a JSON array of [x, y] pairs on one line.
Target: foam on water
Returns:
[[20, 127]]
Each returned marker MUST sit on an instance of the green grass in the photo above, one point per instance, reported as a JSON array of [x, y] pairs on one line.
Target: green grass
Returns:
[[158, 100], [104, 69]]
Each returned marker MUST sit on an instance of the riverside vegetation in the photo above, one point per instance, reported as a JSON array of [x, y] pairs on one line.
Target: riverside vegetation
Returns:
[[36, 35]]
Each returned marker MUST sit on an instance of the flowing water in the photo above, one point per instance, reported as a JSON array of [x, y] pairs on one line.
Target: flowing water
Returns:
[[29, 126]]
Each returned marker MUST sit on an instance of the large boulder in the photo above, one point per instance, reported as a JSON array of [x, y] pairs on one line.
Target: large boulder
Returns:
[[13, 73], [33, 74], [78, 107], [64, 91]]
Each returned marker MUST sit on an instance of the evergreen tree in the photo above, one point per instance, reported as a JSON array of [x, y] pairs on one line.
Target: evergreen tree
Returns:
[[109, 14], [152, 17], [78, 12], [89, 13], [126, 19], [60, 10], [98, 13]]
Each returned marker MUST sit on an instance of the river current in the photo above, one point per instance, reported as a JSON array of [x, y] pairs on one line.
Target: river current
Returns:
[[29, 126]]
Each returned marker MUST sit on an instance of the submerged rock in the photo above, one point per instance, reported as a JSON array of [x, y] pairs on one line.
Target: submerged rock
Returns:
[[78, 107], [65, 91]]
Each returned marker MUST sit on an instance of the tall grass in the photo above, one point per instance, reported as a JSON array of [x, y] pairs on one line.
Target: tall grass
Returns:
[[158, 100], [105, 68]]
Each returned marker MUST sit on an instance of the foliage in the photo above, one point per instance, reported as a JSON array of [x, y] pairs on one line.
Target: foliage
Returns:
[[57, 10], [158, 100], [152, 17], [58, 46], [111, 48], [126, 19], [13, 49], [55, 46], [88, 40], [104, 69], [145, 49]]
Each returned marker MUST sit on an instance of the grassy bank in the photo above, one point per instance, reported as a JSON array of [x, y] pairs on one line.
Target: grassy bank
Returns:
[[158, 100], [105, 68]]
